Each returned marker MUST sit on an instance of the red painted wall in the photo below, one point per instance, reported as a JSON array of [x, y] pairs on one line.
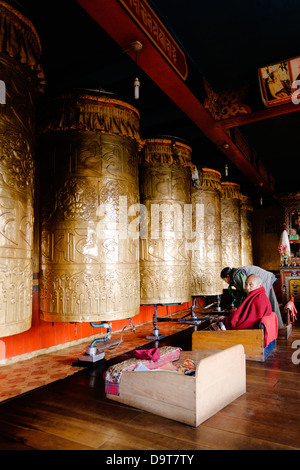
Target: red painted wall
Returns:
[[45, 334]]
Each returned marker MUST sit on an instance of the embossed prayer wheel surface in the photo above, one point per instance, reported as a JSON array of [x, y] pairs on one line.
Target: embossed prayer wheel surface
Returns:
[[207, 247], [246, 231], [89, 156], [231, 225], [165, 189], [22, 78]]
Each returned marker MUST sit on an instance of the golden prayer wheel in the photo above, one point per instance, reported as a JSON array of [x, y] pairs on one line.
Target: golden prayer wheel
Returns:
[[89, 180], [207, 247], [231, 225], [165, 191], [21, 80], [246, 231]]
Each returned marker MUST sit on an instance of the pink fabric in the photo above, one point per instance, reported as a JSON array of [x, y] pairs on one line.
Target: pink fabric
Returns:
[[113, 374], [270, 323], [150, 354]]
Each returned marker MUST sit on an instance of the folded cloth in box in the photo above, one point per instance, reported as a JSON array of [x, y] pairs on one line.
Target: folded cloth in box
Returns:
[[151, 354], [114, 373]]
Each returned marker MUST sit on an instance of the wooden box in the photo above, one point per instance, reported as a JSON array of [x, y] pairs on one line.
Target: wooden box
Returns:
[[252, 340], [219, 379]]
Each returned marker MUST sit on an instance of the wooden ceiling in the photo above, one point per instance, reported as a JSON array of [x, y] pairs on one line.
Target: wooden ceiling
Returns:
[[223, 44]]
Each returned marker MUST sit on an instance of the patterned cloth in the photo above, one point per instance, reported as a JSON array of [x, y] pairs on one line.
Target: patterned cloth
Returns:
[[114, 373]]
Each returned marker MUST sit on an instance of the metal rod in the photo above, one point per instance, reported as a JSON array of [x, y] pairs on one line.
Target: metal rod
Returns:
[[179, 320], [106, 337]]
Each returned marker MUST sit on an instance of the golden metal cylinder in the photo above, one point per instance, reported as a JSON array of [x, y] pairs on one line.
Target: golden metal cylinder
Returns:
[[231, 225], [165, 190], [207, 248], [89, 154], [246, 231], [21, 80]]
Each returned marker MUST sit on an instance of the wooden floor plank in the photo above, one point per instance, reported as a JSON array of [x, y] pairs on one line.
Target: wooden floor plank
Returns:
[[260, 413], [208, 437], [74, 413], [128, 435], [83, 433], [258, 430], [20, 437]]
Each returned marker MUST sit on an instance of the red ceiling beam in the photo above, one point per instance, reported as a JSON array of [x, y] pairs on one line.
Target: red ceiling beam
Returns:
[[114, 19], [258, 116]]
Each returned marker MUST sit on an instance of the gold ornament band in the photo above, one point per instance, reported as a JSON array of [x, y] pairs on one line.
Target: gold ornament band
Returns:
[[93, 113], [211, 179], [231, 191], [167, 151], [246, 203], [19, 39]]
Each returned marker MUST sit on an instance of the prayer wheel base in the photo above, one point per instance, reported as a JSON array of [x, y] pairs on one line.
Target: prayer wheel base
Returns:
[[14, 329], [15, 296], [85, 318]]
